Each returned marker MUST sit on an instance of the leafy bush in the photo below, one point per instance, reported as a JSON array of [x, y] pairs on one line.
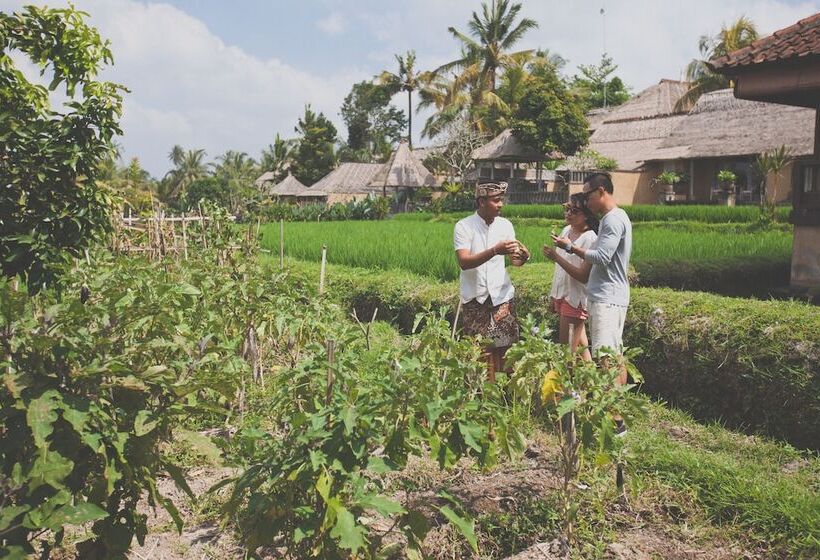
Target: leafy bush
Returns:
[[751, 364], [347, 415], [51, 206], [374, 208]]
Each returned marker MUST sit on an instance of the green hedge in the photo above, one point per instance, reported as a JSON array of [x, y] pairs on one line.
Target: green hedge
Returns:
[[637, 213], [752, 364]]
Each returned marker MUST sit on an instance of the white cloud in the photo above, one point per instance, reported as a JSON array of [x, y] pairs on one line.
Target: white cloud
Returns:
[[334, 24], [188, 87], [191, 88]]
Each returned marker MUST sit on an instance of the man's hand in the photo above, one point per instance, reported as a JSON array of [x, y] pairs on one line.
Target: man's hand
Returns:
[[520, 256], [562, 242], [506, 247]]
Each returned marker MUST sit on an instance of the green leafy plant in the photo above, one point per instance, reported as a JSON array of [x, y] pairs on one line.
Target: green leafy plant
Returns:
[[770, 165], [582, 399], [726, 176], [51, 205], [344, 420], [668, 178]]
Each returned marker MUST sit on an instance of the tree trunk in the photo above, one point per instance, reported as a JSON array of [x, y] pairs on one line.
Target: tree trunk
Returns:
[[409, 118]]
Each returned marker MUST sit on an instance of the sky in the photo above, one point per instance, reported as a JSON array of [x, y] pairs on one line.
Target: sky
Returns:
[[229, 75]]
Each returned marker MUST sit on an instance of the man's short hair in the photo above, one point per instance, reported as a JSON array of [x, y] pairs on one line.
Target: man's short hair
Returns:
[[599, 179]]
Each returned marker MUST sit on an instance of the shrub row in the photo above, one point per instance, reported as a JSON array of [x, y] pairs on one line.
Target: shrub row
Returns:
[[641, 213], [754, 365]]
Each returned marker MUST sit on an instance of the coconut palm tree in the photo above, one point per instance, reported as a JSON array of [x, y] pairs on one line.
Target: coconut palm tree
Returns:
[[406, 79], [486, 49], [189, 165], [699, 72], [448, 98], [276, 157]]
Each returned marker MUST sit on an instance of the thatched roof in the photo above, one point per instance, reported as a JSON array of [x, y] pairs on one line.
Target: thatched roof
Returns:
[[506, 147], [404, 170], [266, 177], [350, 178], [597, 116], [290, 186], [632, 132], [719, 125], [653, 102]]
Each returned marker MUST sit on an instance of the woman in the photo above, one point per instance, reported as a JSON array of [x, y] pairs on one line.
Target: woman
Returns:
[[568, 295]]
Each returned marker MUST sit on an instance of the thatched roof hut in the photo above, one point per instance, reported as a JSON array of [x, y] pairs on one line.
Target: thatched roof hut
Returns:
[[350, 178], [265, 180], [631, 133], [290, 186], [721, 125], [403, 170], [507, 148]]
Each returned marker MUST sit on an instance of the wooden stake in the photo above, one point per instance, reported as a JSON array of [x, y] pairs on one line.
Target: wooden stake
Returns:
[[455, 321], [202, 225], [184, 238], [282, 244], [330, 346], [322, 270]]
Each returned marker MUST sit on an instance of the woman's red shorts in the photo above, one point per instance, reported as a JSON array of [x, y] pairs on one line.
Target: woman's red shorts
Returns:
[[561, 307]]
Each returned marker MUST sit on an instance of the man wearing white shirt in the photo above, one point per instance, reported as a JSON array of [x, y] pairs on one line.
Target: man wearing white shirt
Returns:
[[481, 241]]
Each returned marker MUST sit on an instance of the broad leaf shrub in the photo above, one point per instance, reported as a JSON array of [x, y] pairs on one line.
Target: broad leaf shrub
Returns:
[[97, 372], [313, 479], [51, 207], [754, 365]]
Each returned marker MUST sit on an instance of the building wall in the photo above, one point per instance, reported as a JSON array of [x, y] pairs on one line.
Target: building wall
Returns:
[[334, 198], [806, 257]]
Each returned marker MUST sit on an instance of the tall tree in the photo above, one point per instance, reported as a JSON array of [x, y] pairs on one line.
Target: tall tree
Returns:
[[406, 79], [486, 49], [373, 125], [597, 87], [277, 157], [51, 204], [549, 117], [699, 72], [447, 97], [189, 165], [314, 156]]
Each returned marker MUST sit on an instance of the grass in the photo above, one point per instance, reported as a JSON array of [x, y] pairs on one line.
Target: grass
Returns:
[[426, 247], [764, 488], [638, 213]]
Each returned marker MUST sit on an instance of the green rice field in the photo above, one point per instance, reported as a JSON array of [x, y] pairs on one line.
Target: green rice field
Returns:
[[427, 247]]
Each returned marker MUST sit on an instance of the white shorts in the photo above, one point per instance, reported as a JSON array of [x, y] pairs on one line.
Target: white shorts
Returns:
[[606, 326]]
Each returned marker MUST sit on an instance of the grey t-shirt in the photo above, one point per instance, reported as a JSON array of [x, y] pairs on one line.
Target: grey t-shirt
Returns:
[[609, 255]]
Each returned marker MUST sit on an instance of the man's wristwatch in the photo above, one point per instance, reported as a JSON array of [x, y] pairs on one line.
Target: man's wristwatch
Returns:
[[570, 248]]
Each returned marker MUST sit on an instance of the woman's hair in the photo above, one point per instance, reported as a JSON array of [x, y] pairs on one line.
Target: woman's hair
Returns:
[[580, 201]]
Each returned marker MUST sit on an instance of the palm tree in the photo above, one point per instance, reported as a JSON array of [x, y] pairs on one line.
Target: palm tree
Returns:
[[449, 99], [699, 72], [487, 47], [276, 157], [407, 79], [188, 167]]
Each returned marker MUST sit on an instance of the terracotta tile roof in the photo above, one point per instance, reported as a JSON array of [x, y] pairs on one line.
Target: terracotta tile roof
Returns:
[[796, 41]]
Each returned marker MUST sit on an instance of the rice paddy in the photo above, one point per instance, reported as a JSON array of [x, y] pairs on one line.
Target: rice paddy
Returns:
[[427, 247]]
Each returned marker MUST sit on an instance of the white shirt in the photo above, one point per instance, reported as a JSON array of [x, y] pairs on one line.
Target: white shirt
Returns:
[[565, 286], [489, 279]]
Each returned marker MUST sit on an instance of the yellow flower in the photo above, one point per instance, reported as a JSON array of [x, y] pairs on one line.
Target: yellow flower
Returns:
[[550, 386]]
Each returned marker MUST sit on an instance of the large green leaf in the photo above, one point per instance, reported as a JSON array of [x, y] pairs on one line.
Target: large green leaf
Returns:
[[464, 525], [350, 535], [41, 415], [75, 515]]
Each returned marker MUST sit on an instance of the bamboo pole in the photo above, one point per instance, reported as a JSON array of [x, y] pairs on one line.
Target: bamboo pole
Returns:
[[202, 225], [282, 244], [330, 346], [184, 237], [322, 270]]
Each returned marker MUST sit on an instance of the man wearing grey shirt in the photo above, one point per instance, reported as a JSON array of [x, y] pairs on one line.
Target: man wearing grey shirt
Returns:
[[604, 269]]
